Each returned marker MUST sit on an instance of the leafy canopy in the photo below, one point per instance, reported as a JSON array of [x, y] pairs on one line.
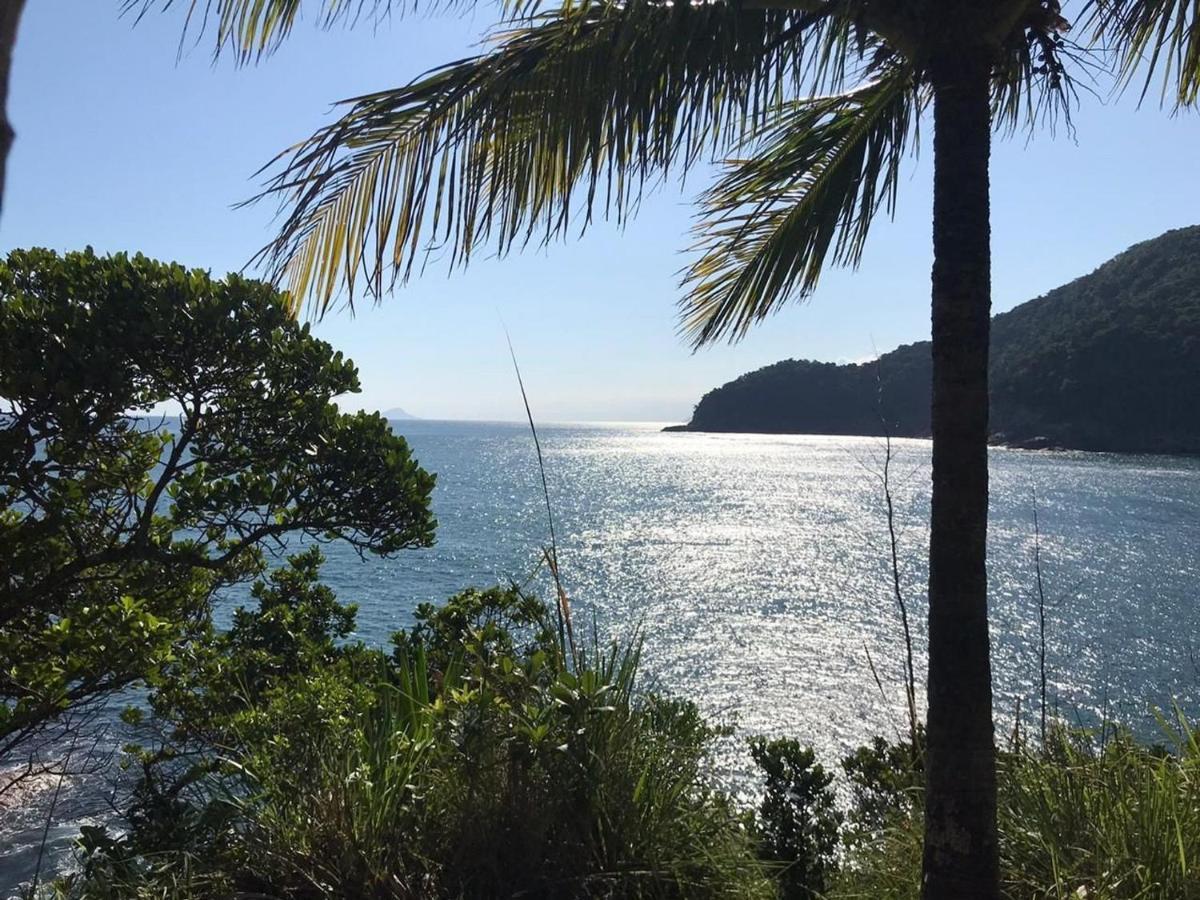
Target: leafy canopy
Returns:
[[117, 523]]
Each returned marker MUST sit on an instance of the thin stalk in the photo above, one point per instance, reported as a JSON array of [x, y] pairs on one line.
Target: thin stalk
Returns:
[[1041, 598], [910, 687], [910, 682], [562, 608], [874, 672]]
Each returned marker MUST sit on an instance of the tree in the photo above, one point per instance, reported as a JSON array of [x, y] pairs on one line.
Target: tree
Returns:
[[118, 525], [576, 109]]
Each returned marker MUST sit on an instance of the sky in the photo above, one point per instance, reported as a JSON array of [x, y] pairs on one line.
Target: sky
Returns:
[[125, 143]]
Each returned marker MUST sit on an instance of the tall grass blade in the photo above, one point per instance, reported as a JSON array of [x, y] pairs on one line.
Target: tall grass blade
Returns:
[[562, 607]]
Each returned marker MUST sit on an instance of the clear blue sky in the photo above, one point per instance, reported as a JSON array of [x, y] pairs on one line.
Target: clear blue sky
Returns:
[[121, 146]]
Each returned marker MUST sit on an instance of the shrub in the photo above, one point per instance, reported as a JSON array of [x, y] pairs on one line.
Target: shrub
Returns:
[[798, 819], [885, 782], [474, 762], [497, 622]]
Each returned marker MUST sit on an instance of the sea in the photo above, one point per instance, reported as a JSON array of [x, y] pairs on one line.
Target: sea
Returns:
[[756, 572]]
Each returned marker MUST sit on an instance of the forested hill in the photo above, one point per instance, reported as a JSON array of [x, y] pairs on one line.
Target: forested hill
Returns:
[[1110, 361]]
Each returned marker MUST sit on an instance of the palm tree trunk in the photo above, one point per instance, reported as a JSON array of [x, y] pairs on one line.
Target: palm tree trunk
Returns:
[[10, 16], [960, 803]]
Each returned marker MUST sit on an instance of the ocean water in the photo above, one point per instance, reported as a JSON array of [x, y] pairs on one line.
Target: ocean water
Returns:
[[756, 570]]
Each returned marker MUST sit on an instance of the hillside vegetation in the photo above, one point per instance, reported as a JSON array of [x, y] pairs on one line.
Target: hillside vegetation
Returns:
[[1110, 361]]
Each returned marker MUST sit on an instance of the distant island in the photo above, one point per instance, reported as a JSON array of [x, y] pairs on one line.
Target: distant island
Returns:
[[1110, 361], [396, 413]]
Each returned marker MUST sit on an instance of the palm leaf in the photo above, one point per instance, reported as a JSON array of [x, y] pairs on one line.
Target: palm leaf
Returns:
[[1157, 37], [807, 193], [570, 117], [252, 29]]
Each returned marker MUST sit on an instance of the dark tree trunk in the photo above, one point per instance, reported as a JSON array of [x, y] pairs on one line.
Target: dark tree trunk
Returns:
[[960, 803], [10, 17]]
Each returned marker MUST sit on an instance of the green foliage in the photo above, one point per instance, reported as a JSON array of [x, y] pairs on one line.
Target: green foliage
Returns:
[[495, 623], [473, 763], [1110, 361], [117, 525], [1107, 362], [478, 766], [229, 688], [572, 111], [1103, 817], [884, 834], [808, 192], [885, 782], [253, 29], [1090, 815], [267, 695], [800, 396], [817, 846], [798, 819], [1153, 37]]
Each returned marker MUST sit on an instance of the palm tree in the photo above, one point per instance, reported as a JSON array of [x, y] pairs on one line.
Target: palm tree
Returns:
[[576, 109]]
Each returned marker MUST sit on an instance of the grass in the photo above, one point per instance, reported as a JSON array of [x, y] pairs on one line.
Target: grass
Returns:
[[1091, 815], [1102, 817], [512, 780]]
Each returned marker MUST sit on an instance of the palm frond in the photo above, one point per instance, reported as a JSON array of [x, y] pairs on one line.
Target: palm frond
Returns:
[[1156, 37], [811, 186], [252, 29], [569, 117]]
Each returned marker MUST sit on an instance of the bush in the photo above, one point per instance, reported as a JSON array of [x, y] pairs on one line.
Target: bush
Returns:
[[474, 762], [885, 781], [798, 818]]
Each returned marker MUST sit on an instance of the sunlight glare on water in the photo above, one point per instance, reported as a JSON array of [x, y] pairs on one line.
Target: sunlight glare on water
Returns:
[[757, 566]]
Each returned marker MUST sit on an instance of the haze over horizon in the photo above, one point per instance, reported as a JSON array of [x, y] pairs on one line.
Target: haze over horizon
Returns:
[[593, 320]]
